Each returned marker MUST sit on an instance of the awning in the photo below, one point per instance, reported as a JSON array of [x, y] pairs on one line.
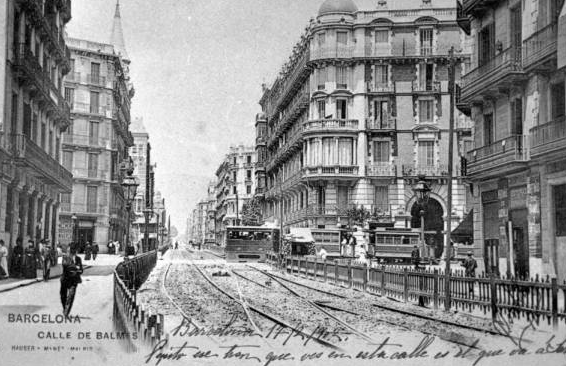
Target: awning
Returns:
[[465, 231], [300, 235]]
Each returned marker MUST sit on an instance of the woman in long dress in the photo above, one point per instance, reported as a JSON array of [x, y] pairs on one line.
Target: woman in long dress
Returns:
[[4, 259]]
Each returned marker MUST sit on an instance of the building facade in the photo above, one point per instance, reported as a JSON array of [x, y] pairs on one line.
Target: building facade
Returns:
[[515, 93], [359, 111], [33, 114], [95, 145], [235, 186]]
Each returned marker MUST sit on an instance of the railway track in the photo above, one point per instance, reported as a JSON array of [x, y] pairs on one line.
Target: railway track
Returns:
[[392, 310]]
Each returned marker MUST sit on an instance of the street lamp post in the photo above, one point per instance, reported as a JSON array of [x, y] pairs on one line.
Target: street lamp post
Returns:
[[422, 191], [74, 219], [130, 186]]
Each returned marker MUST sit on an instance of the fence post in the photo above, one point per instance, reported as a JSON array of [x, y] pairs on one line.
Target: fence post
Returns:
[[493, 295], [435, 289], [335, 272], [325, 271], [366, 275], [405, 285], [350, 277], [554, 285], [383, 280], [299, 266], [315, 267]]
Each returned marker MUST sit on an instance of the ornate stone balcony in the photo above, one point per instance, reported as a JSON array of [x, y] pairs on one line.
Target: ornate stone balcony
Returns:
[[87, 141], [27, 153], [330, 171], [387, 124], [426, 87], [329, 125], [383, 169], [438, 170]]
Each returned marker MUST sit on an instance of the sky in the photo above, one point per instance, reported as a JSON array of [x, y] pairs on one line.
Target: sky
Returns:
[[197, 67]]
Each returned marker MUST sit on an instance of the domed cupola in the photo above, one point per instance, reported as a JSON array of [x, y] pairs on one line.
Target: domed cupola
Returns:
[[337, 6]]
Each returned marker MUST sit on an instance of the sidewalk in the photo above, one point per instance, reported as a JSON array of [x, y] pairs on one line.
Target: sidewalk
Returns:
[[101, 260]]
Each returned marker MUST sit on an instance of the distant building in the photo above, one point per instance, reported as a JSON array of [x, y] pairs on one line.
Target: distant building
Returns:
[[359, 111], [33, 116], [95, 145], [235, 185]]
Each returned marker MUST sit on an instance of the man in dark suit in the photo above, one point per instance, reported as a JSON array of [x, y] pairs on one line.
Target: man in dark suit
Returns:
[[72, 270]]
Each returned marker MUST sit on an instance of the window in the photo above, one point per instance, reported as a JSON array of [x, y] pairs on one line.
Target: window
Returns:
[[381, 36], [328, 145], [70, 96], [234, 190], [426, 153], [68, 160], [381, 151], [234, 161], [381, 76], [249, 174], [57, 148], [34, 127], [321, 39], [94, 102], [426, 110], [486, 44], [517, 116], [91, 198], [321, 78], [27, 120], [341, 109], [249, 159], [341, 77], [43, 136], [321, 104], [426, 76], [95, 73], [557, 100], [234, 176], [92, 165], [345, 151], [93, 132], [341, 38], [488, 131], [426, 41], [248, 189], [66, 202], [381, 198], [342, 196], [560, 209], [381, 113], [51, 141]]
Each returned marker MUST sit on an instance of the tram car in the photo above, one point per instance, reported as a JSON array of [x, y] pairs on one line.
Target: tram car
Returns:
[[392, 245], [250, 243]]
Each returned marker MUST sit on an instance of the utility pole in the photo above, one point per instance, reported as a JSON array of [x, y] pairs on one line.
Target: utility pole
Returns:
[[451, 89]]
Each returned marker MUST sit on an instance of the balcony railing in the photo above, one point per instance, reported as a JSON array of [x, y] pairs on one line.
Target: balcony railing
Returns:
[[95, 79], [330, 171], [330, 125], [27, 152], [428, 86], [85, 173], [382, 169], [439, 170], [512, 148], [333, 52], [381, 87], [386, 123], [540, 45], [73, 77], [549, 136], [487, 75], [82, 208], [85, 140], [78, 107]]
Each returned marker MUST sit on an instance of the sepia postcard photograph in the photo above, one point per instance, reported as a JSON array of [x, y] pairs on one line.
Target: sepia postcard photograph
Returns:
[[283, 182]]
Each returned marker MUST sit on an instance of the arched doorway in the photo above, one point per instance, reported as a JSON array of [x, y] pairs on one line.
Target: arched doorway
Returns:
[[434, 224]]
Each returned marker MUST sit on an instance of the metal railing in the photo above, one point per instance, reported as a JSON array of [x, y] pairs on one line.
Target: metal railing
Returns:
[[96, 79], [91, 109], [438, 170], [375, 87], [429, 86], [86, 140], [514, 145], [387, 123], [548, 132], [508, 60], [25, 149], [330, 170], [86, 173], [541, 44], [383, 169], [333, 52], [83, 208]]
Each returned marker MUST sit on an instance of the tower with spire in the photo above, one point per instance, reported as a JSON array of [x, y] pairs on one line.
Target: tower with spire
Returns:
[[117, 35]]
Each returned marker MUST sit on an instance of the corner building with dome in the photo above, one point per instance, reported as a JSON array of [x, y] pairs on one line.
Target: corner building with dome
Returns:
[[358, 112]]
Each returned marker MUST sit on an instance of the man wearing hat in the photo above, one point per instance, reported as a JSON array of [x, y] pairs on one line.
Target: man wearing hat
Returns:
[[46, 257], [470, 265], [416, 257]]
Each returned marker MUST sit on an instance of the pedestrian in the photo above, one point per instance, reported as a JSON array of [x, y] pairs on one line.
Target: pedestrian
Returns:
[[72, 270], [111, 247], [46, 260], [88, 251], [176, 245], [94, 251], [416, 257], [17, 259], [3, 260], [352, 242], [470, 266], [344, 245], [30, 261], [323, 253]]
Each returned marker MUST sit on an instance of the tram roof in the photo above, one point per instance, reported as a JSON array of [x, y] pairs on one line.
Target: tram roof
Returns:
[[249, 228]]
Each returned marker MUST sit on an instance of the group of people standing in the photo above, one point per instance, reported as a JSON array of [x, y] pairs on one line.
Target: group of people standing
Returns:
[[26, 261]]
